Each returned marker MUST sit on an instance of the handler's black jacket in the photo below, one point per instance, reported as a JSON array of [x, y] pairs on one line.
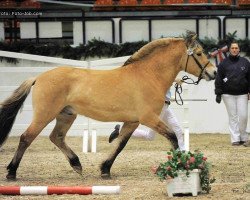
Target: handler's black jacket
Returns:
[[233, 76]]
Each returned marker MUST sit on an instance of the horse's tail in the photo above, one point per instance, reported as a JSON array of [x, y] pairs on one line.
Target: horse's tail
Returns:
[[10, 107]]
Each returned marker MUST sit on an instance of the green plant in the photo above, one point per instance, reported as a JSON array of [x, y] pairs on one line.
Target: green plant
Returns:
[[229, 38], [208, 44], [101, 48], [128, 48], [245, 46], [185, 161]]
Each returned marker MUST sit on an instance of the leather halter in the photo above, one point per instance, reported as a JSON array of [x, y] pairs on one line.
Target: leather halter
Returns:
[[191, 53], [178, 88]]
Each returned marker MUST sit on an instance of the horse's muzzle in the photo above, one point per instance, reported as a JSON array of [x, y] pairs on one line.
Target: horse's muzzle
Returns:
[[210, 75]]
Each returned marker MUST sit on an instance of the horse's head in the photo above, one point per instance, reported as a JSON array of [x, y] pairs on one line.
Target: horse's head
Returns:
[[196, 61]]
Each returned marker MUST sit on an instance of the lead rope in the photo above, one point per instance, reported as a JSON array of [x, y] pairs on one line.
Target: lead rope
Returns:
[[178, 88]]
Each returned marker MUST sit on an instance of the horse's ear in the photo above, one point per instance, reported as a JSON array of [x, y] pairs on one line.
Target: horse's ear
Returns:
[[194, 37], [190, 38]]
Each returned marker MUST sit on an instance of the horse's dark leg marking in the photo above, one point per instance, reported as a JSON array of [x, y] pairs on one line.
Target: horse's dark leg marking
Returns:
[[25, 140], [154, 122], [126, 132], [107, 164], [14, 164], [164, 130], [171, 136], [63, 122]]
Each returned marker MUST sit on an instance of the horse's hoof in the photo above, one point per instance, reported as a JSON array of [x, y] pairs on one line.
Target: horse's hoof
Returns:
[[11, 177], [105, 176], [78, 169]]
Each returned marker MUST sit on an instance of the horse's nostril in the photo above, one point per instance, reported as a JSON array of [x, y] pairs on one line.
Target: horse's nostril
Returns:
[[215, 72]]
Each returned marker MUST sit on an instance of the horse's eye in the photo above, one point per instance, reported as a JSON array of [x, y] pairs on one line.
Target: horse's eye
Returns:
[[199, 54]]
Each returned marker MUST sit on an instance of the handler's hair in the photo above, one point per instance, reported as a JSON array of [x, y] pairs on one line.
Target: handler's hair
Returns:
[[233, 42]]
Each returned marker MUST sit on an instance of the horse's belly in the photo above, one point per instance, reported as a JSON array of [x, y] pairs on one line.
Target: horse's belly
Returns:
[[106, 115]]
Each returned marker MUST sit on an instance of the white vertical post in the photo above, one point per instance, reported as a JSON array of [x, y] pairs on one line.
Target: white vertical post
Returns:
[[186, 138], [86, 132], [89, 134], [93, 141], [85, 143], [89, 139], [185, 120]]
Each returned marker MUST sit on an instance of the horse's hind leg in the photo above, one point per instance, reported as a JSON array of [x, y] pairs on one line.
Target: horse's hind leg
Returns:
[[126, 132], [25, 140], [63, 122]]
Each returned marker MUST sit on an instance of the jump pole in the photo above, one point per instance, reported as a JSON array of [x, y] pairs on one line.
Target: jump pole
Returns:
[[50, 190]]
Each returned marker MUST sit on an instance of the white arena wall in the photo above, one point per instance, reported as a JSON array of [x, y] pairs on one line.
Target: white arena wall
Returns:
[[203, 116]]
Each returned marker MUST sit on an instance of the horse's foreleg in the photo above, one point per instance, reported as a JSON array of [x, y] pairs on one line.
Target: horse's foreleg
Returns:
[[154, 122], [63, 123], [126, 132], [25, 140]]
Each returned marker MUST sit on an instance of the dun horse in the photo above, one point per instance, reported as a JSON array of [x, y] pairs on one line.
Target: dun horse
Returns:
[[133, 94]]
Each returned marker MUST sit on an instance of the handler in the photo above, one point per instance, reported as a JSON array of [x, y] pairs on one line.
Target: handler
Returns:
[[232, 84]]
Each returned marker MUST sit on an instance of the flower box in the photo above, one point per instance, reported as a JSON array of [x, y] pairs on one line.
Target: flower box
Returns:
[[185, 172], [183, 184]]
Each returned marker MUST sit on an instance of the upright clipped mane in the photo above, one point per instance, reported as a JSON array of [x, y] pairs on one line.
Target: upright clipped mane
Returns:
[[190, 35], [148, 48]]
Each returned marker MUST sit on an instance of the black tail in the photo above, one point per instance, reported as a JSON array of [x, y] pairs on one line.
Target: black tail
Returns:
[[10, 107]]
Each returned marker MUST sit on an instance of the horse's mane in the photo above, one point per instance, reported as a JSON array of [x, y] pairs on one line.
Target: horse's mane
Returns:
[[148, 48]]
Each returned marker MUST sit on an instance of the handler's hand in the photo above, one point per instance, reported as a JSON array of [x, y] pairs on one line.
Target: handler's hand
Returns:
[[218, 98]]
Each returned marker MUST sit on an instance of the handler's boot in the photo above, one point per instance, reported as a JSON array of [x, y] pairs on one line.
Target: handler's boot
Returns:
[[247, 143], [115, 133]]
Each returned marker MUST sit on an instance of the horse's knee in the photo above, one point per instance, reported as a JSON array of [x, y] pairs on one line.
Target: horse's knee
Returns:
[[54, 138], [57, 136]]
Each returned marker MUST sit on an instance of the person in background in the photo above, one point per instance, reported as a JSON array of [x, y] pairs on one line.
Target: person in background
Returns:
[[167, 116], [232, 84]]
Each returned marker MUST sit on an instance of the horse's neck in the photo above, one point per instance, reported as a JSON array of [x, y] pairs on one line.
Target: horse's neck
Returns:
[[167, 77], [171, 64], [162, 65], [163, 70]]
